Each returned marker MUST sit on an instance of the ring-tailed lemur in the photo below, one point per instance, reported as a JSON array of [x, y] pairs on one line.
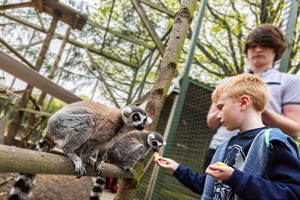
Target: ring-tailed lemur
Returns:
[[80, 129], [126, 152]]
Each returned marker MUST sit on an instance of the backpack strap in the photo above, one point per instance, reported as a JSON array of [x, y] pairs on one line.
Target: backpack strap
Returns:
[[267, 136], [288, 141]]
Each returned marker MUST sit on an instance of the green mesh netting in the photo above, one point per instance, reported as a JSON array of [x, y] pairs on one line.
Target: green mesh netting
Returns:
[[187, 145]]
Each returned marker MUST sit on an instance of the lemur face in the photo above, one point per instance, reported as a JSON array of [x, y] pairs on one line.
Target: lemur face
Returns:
[[135, 117], [155, 141]]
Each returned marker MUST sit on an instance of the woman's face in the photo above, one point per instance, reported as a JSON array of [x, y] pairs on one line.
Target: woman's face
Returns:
[[260, 57]]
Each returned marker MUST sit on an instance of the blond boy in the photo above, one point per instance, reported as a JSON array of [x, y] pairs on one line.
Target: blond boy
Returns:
[[261, 163]]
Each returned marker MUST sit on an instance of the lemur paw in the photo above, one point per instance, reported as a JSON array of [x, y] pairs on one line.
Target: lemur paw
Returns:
[[91, 162], [131, 171], [99, 169], [80, 171]]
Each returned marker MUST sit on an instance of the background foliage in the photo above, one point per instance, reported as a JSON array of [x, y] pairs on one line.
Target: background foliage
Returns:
[[219, 50]]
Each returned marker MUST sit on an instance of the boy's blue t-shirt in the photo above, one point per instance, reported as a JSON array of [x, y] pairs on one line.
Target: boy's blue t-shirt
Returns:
[[236, 153]]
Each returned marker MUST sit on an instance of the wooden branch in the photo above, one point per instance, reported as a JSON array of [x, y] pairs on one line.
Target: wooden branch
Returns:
[[160, 9], [15, 160], [35, 112], [35, 79], [148, 24], [16, 5], [73, 42], [128, 38], [16, 53]]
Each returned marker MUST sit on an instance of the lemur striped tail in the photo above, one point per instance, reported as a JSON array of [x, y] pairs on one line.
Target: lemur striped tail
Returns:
[[97, 189], [21, 189]]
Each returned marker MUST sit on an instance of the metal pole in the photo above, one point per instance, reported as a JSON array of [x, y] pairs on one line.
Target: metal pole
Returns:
[[292, 7]]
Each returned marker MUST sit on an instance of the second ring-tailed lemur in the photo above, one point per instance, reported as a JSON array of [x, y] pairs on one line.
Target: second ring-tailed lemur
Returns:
[[126, 152], [80, 129]]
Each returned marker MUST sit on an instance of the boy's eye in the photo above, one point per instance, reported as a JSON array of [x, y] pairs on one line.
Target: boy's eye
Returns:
[[219, 107]]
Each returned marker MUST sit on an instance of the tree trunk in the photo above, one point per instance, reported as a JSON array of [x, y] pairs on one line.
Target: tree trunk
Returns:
[[158, 94], [167, 67]]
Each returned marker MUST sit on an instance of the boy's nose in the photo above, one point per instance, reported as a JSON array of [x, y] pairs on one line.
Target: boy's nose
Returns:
[[219, 115]]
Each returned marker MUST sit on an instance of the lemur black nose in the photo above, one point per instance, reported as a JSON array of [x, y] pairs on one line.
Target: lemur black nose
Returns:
[[155, 149], [140, 127]]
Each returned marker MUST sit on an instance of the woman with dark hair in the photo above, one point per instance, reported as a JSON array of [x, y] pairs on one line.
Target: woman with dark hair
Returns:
[[263, 47]]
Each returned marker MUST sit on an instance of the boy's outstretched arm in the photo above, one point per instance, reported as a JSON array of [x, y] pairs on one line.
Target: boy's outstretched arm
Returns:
[[166, 163], [185, 175]]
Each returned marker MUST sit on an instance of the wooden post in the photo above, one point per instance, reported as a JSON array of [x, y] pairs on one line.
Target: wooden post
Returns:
[[15, 124]]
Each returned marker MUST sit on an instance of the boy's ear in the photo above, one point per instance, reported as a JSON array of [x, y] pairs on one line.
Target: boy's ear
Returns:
[[245, 101]]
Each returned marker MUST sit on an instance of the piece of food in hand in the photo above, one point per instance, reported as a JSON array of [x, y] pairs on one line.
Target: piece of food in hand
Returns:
[[221, 164], [156, 155]]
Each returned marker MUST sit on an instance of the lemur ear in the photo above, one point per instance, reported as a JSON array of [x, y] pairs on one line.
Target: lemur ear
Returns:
[[149, 120], [151, 136], [126, 111]]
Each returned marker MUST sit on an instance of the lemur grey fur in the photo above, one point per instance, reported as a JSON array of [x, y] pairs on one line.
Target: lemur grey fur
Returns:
[[80, 129], [126, 152]]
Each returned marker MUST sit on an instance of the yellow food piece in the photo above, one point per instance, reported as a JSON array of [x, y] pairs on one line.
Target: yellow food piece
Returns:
[[221, 164], [156, 155]]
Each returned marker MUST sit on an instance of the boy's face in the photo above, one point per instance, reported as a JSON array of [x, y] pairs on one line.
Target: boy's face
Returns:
[[260, 56], [229, 112]]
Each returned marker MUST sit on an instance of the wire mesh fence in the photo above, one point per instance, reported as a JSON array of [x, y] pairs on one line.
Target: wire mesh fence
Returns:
[[187, 145]]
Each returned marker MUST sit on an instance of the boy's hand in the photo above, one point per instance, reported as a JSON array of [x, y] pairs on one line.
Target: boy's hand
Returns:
[[219, 172], [166, 163], [221, 164]]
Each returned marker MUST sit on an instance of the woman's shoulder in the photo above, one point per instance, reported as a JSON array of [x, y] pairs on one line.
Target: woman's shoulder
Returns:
[[287, 76]]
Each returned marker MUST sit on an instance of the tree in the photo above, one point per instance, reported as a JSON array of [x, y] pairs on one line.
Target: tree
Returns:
[[165, 74]]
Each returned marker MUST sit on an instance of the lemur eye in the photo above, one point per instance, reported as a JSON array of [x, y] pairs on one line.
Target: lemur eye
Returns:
[[135, 117]]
